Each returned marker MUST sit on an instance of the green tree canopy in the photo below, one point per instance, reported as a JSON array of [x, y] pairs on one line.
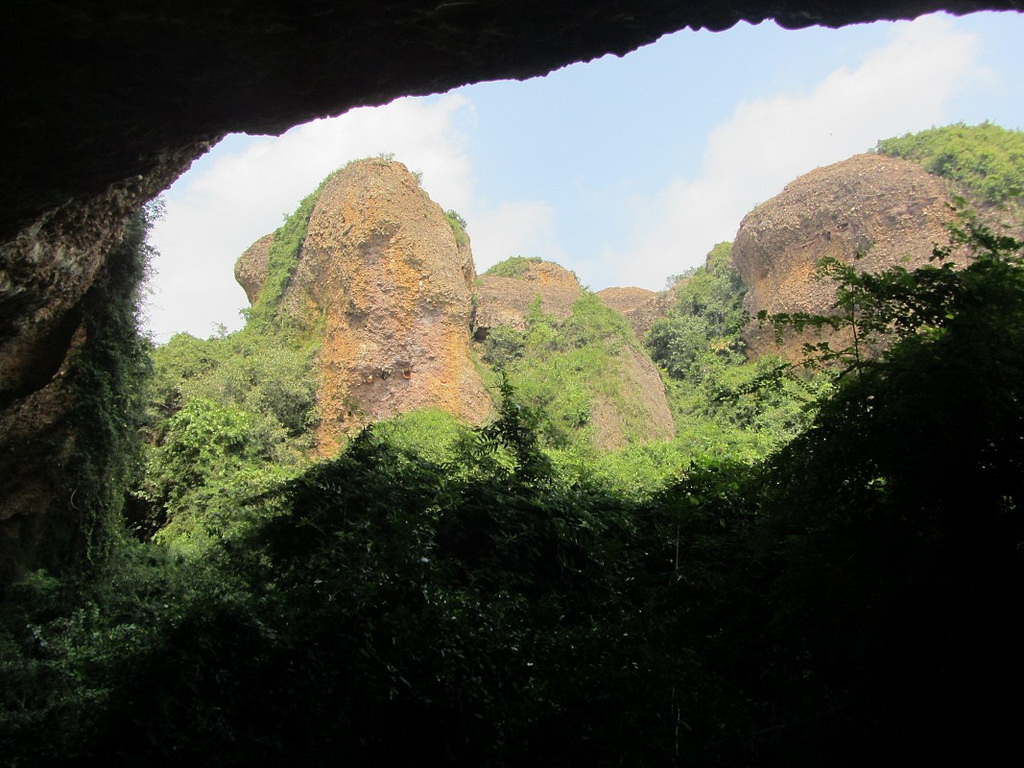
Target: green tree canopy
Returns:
[[985, 160]]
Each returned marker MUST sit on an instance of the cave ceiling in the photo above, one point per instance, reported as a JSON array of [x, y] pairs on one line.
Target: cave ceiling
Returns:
[[105, 92]]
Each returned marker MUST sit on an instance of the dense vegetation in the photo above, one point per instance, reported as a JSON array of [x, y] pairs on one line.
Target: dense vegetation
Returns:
[[458, 225], [514, 266], [723, 402], [985, 160], [228, 416], [107, 376], [561, 368], [820, 570]]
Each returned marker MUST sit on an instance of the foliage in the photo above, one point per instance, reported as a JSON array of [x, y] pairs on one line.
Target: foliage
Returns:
[[458, 225], [229, 417], [723, 403], [503, 346], [513, 266], [444, 594], [259, 373], [706, 322], [282, 262], [431, 433], [476, 603], [985, 160], [435, 615], [897, 515], [106, 377], [560, 368], [895, 305], [207, 457]]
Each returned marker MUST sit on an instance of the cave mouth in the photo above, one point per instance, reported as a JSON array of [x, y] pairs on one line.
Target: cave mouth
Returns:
[[580, 166], [107, 104]]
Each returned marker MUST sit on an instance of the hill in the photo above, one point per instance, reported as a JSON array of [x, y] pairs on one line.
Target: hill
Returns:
[[890, 208], [384, 280]]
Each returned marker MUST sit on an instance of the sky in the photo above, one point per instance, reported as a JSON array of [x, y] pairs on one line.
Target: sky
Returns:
[[625, 170]]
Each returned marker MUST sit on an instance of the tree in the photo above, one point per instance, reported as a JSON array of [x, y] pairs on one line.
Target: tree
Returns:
[[895, 521]]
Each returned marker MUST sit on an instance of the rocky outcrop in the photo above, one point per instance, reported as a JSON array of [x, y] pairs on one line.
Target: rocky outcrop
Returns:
[[644, 411], [507, 300], [251, 267], [382, 278], [46, 274], [870, 210], [639, 412], [641, 307]]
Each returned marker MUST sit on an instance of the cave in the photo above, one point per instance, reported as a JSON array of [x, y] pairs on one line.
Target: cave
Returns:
[[108, 101]]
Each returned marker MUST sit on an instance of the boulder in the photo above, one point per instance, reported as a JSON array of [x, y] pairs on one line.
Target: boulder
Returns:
[[870, 210]]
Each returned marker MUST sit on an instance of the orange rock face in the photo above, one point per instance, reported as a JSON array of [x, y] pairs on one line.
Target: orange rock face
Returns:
[[888, 211], [381, 274], [385, 285], [251, 267], [641, 307], [507, 300]]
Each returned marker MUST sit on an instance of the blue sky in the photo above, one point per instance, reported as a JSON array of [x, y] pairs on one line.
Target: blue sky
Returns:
[[626, 170]]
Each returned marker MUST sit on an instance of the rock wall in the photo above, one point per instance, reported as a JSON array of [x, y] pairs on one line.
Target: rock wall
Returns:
[[641, 307], [251, 267], [382, 278], [647, 405], [46, 274], [890, 211], [507, 300]]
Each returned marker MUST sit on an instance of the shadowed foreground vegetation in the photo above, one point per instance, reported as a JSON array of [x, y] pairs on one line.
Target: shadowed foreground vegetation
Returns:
[[441, 594]]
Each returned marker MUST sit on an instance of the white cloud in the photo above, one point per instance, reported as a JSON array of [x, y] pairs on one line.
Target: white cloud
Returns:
[[245, 187], [769, 142], [523, 228]]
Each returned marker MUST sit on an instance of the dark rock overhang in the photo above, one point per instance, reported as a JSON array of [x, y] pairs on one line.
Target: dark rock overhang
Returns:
[[102, 92]]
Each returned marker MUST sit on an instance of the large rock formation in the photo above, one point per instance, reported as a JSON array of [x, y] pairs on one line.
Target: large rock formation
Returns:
[[251, 267], [641, 307], [870, 210], [642, 413], [382, 278], [507, 300], [645, 404]]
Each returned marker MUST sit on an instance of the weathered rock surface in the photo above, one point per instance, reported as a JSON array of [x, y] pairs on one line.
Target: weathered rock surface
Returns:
[[251, 267], [507, 300], [46, 274], [890, 211], [641, 307], [380, 271], [646, 403]]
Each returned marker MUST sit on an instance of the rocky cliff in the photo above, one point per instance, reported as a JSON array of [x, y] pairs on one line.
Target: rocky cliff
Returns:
[[634, 408], [503, 300], [883, 210], [384, 282], [382, 279], [640, 306]]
